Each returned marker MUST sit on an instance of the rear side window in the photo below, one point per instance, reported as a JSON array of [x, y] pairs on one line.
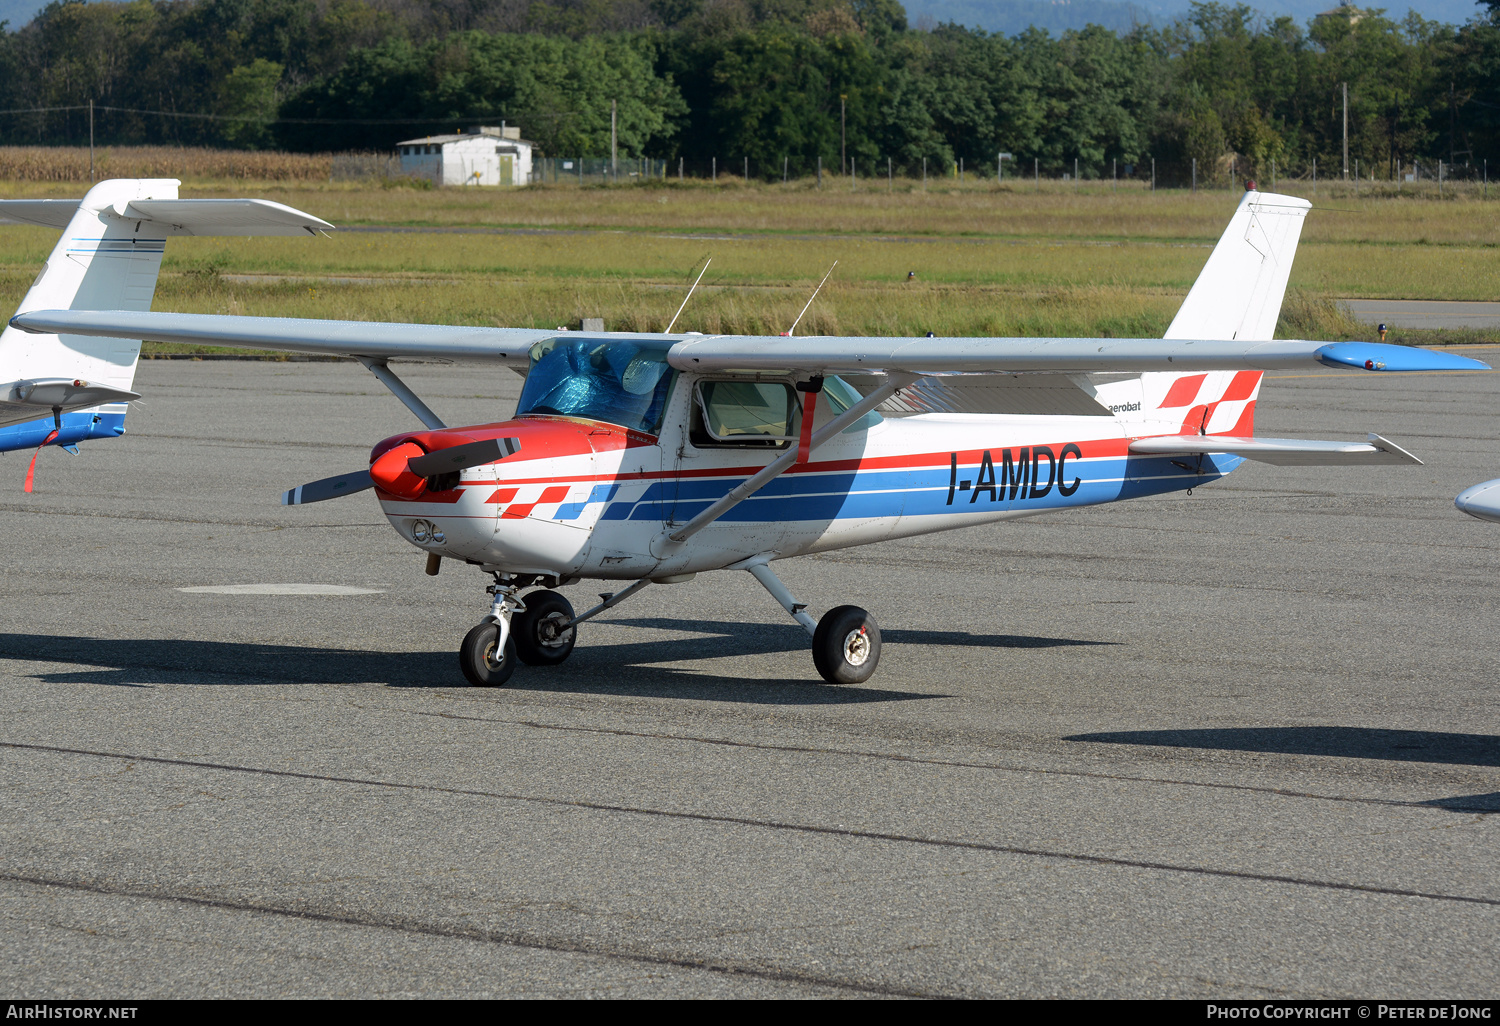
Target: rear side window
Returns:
[[755, 414]]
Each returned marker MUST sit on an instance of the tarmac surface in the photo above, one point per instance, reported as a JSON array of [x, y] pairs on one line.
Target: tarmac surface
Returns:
[[1240, 744], [1424, 313]]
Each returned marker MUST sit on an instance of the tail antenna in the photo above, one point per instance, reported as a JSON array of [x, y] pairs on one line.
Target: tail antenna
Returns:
[[688, 296], [792, 331], [56, 430]]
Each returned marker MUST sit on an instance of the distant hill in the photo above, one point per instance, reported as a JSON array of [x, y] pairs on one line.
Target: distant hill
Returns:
[[19, 12], [1013, 16]]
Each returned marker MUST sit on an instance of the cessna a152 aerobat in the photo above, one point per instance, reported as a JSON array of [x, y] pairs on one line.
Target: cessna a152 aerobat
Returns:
[[647, 458]]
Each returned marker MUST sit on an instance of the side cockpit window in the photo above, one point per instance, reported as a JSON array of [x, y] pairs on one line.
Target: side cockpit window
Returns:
[[743, 414]]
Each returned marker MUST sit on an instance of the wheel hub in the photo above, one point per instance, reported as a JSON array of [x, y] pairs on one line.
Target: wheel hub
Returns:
[[489, 656], [551, 631], [857, 646]]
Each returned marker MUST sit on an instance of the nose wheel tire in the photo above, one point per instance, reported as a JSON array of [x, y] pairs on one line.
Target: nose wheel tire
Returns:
[[482, 665], [541, 639], [846, 646]]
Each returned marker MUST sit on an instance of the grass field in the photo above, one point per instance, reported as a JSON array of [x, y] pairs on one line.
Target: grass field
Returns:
[[1010, 260]]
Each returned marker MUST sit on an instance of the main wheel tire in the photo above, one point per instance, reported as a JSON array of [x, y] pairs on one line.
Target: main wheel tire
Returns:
[[477, 657], [846, 645], [538, 633]]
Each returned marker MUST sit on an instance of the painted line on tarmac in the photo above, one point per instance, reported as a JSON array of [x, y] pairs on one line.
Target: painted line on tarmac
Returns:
[[560, 945], [802, 828], [855, 753]]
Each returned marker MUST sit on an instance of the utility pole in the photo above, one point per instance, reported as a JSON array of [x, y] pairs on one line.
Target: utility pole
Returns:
[[91, 140], [614, 149], [1346, 131], [843, 156]]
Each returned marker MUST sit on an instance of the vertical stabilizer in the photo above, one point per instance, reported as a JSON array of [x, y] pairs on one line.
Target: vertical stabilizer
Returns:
[[108, 258], [102, 262], [1238, 294]]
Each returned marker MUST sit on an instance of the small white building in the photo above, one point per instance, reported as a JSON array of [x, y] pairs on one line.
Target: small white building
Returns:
[[481, 156]]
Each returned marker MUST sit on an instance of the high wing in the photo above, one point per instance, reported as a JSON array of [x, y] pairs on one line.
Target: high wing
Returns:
[[374, 339], [812, 356]]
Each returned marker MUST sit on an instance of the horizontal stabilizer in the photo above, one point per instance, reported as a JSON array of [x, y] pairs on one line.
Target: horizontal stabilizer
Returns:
[[1481, 500], [44, 213], [169, 217], [328, 488], [462, 457], [1281, 452]]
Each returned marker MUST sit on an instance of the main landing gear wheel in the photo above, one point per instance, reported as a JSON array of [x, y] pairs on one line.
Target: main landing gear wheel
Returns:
[[846, 646], [482, 665], [539, 634]]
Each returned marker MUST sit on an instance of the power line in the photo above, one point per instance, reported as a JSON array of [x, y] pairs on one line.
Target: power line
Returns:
[[260, 120]]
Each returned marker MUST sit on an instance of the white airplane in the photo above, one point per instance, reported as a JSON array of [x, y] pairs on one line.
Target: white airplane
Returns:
[[62, 391], [1481, 501], [652, 458]]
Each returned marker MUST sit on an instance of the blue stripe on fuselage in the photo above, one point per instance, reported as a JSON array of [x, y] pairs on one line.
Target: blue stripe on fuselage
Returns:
[[915, 492], [79, 426]]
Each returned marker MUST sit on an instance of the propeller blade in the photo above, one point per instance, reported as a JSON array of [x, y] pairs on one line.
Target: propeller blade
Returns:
[[328, 488], [462, 457]]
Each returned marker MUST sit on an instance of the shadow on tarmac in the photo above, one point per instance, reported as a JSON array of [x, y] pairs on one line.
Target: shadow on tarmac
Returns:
[[1344, 742], [627, 669]]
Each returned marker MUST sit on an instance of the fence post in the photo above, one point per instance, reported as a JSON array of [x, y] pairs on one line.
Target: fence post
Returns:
[[747, 170], [1195, 175], [924, 174], [679, 169], [1153, 174], [1315, 176], [1075, 172], [716, 169], [1114, 174], [853, 177], [1036, 171], [890, 175], [784, 162], [820, 171]]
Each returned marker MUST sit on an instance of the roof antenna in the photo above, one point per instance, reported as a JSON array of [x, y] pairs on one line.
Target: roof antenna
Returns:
[[793, 329], [688, 296]]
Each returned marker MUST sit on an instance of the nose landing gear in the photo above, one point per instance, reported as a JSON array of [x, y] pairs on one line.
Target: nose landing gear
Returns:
[[539, 631], [488, 653]]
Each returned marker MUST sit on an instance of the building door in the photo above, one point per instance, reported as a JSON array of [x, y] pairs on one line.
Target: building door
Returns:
[[507, 168]]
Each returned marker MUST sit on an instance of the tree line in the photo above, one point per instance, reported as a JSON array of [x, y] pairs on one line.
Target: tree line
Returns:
[[784, 83]]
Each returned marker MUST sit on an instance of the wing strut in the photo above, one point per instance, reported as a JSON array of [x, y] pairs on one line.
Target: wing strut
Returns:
[[399, 388], [787, 460]]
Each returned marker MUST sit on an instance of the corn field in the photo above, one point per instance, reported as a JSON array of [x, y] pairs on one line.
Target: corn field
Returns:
[[71, 164]]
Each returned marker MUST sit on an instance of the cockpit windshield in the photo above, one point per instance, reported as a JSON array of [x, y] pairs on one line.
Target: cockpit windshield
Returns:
[[624, 383]]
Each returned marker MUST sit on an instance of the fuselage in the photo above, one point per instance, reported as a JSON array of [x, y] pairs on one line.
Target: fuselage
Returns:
[[588, 498]]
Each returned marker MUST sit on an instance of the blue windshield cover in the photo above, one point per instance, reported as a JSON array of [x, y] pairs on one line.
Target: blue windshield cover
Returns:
[[625, 383]]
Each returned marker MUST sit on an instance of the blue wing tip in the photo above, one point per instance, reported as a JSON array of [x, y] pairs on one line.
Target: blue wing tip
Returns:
[[1381, 356]]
